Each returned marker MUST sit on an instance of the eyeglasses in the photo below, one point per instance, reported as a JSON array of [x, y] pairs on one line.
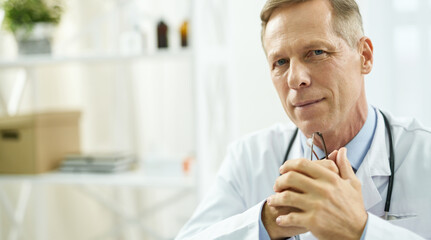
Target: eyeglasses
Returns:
[[312, 144]]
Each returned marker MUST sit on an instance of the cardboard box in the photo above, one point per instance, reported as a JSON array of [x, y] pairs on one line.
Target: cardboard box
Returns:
[[37, 143]]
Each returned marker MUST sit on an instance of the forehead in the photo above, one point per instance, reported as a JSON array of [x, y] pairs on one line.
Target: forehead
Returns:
[[299, 23]]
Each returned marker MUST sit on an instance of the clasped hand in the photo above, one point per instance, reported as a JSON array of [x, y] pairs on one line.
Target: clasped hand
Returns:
[[323, 197]]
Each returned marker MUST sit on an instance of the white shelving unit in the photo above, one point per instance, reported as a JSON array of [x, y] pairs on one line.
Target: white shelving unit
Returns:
[[30, 186], [121, 124], [210, 86], [28, 64]]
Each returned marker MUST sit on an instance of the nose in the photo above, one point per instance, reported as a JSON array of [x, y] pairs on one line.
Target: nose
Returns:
[[298, 75]]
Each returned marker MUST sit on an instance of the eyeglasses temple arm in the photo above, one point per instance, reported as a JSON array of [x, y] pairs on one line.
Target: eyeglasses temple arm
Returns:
[[324, 145]]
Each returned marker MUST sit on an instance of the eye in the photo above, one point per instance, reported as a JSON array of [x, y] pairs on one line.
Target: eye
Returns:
[[318, 52], [280, 62]]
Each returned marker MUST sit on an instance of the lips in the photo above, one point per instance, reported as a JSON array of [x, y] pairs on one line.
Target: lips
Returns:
[[307, 103]]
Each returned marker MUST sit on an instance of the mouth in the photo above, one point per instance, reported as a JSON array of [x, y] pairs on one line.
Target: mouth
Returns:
[[307, 103]]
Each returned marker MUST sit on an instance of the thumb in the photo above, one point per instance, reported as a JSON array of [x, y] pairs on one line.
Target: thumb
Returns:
[[346, 171]]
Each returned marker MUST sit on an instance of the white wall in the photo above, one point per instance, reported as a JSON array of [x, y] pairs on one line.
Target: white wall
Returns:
[[257, 103], [401, 33]]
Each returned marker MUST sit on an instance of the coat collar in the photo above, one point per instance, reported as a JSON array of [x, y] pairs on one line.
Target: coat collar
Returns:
[[375, 164]]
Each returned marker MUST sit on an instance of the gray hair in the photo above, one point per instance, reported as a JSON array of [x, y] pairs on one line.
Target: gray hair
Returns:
[[347, 20]]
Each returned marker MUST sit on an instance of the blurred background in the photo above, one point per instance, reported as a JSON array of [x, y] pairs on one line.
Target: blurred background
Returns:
[[115, 114]]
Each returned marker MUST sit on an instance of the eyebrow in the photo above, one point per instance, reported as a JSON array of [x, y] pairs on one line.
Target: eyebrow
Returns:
[[313, 44], [318, 43], [273, 55]]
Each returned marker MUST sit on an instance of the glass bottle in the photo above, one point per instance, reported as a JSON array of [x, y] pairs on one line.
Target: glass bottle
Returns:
[[162, 35], [184, 33]]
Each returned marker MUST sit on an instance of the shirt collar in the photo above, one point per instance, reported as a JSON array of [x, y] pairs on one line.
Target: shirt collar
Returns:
[[357, 148]]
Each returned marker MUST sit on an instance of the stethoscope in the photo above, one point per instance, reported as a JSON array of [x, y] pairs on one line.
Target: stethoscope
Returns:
[[391, 163]]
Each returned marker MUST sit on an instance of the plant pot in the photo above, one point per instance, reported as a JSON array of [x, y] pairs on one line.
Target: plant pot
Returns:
[[35, 41]]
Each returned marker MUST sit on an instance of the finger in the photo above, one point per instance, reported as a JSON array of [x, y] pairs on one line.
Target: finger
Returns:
[[288, 199], [294, 181], [346, 171], [328, 164], [293, 219], [285, 166], [307, 167], [333, 155]]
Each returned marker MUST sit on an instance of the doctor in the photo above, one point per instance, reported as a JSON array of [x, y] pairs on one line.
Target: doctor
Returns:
[[374, 181]]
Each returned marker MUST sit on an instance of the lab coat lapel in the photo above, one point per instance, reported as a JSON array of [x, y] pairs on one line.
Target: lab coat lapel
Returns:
[[375, 163]]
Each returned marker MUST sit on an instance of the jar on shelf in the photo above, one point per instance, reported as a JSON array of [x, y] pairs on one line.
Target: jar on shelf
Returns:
[[162, 34], [184, 33]]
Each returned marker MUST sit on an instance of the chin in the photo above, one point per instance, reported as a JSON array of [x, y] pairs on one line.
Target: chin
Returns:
[[310, 126]]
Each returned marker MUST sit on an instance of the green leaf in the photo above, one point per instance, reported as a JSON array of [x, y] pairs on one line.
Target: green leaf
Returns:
[[24, 14]]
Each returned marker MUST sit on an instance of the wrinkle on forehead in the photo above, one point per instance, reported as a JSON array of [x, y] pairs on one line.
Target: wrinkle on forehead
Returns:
[[299, 23]]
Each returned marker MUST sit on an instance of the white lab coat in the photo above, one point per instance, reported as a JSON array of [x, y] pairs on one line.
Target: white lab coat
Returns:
[[233, 205]]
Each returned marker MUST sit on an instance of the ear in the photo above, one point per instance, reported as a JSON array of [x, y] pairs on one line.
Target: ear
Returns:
[[366, 51]]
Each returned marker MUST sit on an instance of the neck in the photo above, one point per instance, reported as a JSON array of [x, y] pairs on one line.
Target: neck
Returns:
[[346, 131]]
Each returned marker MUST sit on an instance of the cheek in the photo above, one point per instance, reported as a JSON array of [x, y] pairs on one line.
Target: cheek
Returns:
[[282, 90], [347, 85], [279, 85], [326, 78]]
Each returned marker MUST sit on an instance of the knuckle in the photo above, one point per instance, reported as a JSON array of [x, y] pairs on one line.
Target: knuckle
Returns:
[[301, 163], [291, 218], [318, 206], [287, 197], [327, 194], [282, 196], [334, 180], [277, 184], [289, 176], [313, 220]]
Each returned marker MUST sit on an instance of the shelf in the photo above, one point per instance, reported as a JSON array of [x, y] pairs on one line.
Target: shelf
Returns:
[[45, 60], [130, 178]]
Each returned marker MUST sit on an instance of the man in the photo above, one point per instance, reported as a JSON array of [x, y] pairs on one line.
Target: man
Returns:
[[318, 57]]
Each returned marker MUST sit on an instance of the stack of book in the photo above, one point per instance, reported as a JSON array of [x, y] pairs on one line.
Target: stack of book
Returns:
[[104, 163]]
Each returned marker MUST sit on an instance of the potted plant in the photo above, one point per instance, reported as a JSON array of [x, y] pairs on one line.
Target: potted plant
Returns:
[[32, 23]]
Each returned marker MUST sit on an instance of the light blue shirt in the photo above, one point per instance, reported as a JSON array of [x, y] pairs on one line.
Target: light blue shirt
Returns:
[[357, 148]]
